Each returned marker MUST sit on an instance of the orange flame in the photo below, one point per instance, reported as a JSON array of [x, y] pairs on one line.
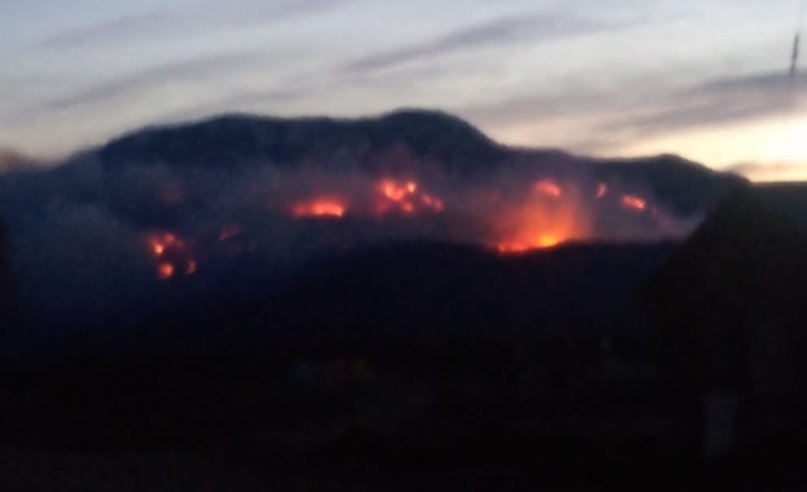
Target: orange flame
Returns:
[[634, 203], [160, 243], [537, 223], [397, 192], [405, 197], [169, 250], [542, 241], [320, 207], [548, 188], [165, 271]]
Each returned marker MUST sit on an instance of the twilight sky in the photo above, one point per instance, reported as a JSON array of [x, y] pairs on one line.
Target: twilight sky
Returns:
[[706, 79]]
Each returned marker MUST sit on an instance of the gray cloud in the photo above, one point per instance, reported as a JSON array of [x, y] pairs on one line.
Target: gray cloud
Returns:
[[102, 32], [601, 120], [182, 71], [205, 17], [721, 101], [501, 31], [285, 9]]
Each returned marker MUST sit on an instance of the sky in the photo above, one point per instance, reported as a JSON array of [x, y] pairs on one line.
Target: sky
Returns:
[[706, 79]]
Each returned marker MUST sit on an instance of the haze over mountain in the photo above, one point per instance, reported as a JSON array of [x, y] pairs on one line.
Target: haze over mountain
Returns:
[[240, 204]]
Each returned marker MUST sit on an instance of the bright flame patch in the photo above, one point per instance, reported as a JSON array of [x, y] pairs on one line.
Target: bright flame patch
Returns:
[[320, 207], [171, 255], [634, 203]]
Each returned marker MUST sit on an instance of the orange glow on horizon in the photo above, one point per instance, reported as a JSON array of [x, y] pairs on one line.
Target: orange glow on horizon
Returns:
[[543, 241]]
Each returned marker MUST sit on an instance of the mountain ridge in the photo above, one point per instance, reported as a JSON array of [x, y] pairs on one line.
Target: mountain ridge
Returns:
[[398, 142]]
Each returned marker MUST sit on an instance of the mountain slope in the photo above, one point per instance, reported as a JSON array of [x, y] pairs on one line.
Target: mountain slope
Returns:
[[399, 142]]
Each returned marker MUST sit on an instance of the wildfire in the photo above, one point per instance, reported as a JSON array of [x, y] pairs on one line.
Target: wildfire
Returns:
[[542, 241], [634, 203], [169, 250], [160, 243], [536, 215], [320, 207], [536, 223], [165, 271], [399, 194], [405, 197]]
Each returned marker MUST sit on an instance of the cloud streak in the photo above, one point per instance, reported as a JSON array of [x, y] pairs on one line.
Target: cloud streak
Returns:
[[502, 31], [110, 30], [184, 71], [771, 171], [610, 118]]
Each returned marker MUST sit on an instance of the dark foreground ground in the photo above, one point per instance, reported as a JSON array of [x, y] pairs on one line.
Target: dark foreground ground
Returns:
[[489, 420], [401, 377]]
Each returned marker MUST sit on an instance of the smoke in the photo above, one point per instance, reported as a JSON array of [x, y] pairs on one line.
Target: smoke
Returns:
[[101, 238]]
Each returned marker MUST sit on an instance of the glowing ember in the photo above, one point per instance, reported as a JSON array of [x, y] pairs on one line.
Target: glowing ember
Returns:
[[169, 250], [548, 188], [634, 203], [395, 191], [160, 243], [229, 232], [404, 197], [433, 203], [602, 190], [323, 207], [165, 271]]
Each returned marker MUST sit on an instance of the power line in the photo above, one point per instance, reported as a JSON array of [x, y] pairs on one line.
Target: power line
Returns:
[[794, 59]]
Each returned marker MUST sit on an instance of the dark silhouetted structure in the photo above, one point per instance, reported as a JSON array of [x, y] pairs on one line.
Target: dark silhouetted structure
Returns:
[[8, 305], [733, 307]]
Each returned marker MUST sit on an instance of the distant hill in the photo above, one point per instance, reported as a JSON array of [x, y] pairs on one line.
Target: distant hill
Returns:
[[246, 139], [414, 140], [80, 231]]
